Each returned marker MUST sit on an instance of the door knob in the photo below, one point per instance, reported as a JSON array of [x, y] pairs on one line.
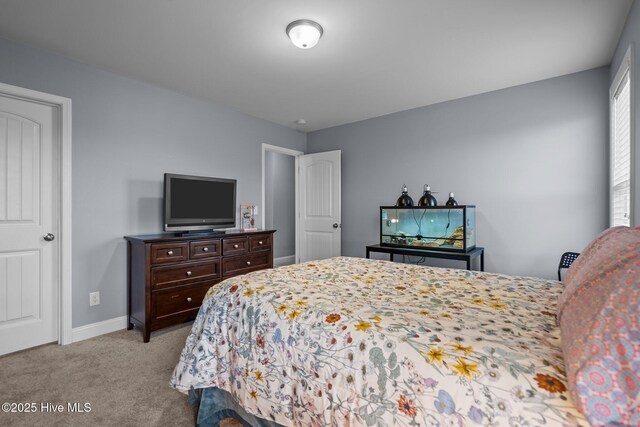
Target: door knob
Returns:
[[335, 225], [49, 237]]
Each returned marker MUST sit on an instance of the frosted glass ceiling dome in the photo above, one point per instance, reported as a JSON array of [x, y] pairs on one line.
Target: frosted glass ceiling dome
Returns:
[[304, 33]]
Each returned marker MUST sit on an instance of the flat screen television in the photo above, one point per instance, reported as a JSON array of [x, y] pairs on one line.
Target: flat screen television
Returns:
[[198, 203]]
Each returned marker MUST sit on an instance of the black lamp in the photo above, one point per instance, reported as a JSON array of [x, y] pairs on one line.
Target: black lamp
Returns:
[[404, 200], [427, 198]]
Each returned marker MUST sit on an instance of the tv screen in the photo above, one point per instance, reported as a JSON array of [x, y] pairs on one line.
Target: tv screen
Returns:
[[198, 203]]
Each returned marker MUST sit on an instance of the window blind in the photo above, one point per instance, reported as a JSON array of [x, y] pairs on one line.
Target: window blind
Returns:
[[621, 153]]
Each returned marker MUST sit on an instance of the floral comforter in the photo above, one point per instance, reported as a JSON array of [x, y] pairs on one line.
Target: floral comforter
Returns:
[[352, 341]]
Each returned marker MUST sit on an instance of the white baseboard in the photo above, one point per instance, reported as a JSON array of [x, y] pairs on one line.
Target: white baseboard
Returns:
[[285, 260], [85, 332]]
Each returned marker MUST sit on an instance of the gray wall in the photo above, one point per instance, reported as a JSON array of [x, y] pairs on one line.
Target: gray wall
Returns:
[[631, 36], [126, 135], [280, 201], [533, 158]]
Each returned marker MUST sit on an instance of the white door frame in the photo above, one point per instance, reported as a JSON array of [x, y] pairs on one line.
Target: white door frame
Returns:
[[63, 105], [295, 154]]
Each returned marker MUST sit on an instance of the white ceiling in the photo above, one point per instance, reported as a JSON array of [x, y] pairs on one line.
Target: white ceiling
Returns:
[[376, 56]]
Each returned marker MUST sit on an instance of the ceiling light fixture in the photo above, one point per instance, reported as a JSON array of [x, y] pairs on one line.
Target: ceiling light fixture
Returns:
[[304, 33]]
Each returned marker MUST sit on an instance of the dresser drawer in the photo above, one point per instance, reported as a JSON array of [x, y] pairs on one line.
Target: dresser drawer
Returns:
[[169, 252], [259, 243], [245, 264], [204, 249], [179, 300], [175, 275], [234, 246]]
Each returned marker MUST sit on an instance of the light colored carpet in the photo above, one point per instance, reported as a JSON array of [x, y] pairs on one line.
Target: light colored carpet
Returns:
[[125, 381]]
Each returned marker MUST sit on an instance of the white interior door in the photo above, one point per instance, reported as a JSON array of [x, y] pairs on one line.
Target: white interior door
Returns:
[[320, 220], [28, 211]]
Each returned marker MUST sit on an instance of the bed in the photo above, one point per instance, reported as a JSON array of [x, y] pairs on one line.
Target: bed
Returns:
[[352, 341]]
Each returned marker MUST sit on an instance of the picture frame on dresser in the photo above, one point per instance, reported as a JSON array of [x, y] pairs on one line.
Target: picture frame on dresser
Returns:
[[247, 218], [169, 274]]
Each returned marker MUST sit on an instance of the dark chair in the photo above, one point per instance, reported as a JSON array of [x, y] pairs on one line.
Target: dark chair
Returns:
[[566, 260]]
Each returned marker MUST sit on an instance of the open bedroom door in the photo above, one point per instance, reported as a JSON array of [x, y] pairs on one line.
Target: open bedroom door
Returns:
[[319, 209]]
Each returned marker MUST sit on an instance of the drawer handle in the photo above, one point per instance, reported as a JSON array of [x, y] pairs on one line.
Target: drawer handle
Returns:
[[248, 262], [188, 273], [205, 249], [170, 253], [260, 242], [189, 299], [236, 246]]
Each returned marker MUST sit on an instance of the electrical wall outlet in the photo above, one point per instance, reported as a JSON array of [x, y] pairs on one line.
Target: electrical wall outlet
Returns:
[[94, 298]]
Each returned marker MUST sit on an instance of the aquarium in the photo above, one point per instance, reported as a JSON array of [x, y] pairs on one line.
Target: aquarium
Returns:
[[443, 228]]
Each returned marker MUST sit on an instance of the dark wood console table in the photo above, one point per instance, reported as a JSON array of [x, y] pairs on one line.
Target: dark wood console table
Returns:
[[457, 256]]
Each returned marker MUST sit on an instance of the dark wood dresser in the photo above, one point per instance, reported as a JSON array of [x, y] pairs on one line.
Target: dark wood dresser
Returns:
[[170, 274]]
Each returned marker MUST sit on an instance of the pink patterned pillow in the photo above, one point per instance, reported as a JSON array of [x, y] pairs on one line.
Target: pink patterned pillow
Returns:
[[600, 326], [587, 264]]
